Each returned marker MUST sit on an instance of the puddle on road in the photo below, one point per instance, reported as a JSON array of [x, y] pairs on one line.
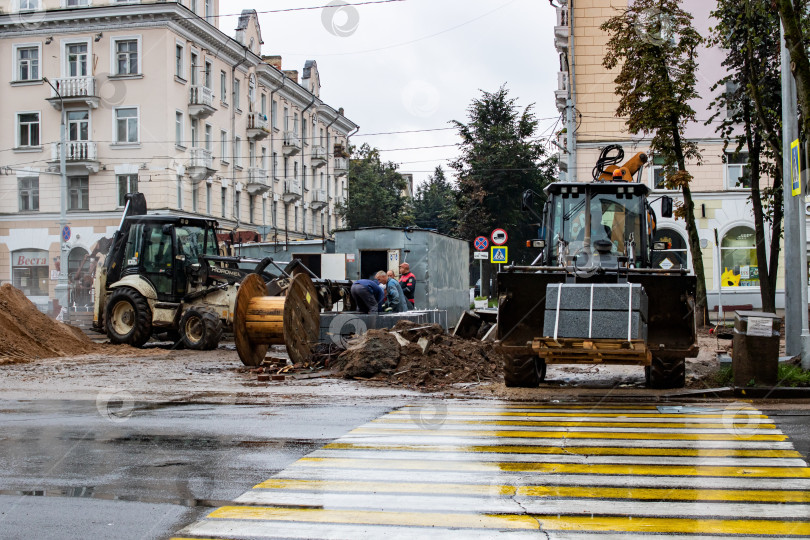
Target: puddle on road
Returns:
[[90, 492]]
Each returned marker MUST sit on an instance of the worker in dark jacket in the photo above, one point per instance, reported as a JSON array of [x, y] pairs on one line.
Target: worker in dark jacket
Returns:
[[394, 298], [408, 282], [367, 295]]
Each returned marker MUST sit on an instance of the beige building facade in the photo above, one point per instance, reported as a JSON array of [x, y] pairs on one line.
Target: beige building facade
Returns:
[[719, 189], [157, 99]]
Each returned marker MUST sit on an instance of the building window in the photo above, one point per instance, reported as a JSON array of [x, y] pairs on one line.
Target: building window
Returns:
[[29, 194], [209, 11], [237, 151], [275, 165], [223, 145], [251, 154], [208, 198], [126, 125], [77, 3], [78, 193], [126, 57], [208, 74], [209, 138], [78, 125], [251, 203], [738, 258], [28, 129], [264, 159], [304, 177], [303, 129], [237, 84], [675, 254], [223, 86], [76, 59], [29, 271], [28, 5], [178, 129], [295, 170], [738, 172], [179, 52], [127, 183], [193, 5], [224, 201], [263, 101], [27, 59], [194, 67], [658, 175], [194, 197], [295, 218], [195, 132], [180, 192], [238, 207], [286, 119], [274, 114]]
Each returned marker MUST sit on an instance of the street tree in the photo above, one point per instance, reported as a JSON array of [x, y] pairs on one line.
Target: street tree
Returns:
[[654, 46], [501, 157], [434, 205], [748, 108], [793, 14], [377, 192]]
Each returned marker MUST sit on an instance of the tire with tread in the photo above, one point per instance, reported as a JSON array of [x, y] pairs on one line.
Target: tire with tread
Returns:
[[128, 318], [200, 330], [523, 371], [666, 373]]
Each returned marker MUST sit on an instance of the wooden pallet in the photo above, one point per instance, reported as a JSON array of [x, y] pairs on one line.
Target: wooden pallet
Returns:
[[592, 351]]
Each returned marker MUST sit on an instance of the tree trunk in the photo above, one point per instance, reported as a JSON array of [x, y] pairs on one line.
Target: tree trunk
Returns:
[[767, 292], [702, 304], [799, 62]]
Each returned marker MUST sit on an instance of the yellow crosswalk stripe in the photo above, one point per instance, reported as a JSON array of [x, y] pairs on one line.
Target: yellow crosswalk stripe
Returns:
[[578, 450], [731, 415], [540, 423], [572, 434], [430, 488]]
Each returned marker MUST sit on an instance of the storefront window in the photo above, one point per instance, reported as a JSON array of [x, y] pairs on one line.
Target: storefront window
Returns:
[[738, 257], [29, 271], [675, 255]]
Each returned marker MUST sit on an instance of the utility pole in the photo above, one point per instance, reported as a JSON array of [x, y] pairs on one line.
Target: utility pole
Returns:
[[62, 285], [796, 333]]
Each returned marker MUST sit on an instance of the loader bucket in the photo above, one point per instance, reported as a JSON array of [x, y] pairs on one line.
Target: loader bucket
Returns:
[[521, 308]]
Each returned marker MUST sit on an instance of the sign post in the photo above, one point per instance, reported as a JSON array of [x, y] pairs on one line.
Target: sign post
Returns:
[[481, 243]]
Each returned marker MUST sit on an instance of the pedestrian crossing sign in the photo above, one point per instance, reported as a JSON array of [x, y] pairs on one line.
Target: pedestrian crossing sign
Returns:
[[498, 255]]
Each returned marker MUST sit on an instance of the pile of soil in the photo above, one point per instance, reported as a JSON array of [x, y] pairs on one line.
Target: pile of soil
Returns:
[[28, 334], [419, 356]]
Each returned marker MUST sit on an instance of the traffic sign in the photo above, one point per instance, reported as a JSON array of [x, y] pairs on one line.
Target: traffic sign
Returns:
[[795, 169], [499, 237], [499, 254], [480, 255], [66, 233], [481, 243]]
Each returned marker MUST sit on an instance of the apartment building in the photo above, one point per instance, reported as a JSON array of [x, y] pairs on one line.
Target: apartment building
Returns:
[[719, 189], [155, 98]]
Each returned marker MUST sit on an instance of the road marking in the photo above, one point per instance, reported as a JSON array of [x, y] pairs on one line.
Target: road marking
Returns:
[[577, 472]]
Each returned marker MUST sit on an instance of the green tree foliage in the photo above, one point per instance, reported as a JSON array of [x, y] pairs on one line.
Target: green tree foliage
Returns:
[[500, 158], [749, 109], [797, 35], [377, 192], [434, 205], [653, 44]]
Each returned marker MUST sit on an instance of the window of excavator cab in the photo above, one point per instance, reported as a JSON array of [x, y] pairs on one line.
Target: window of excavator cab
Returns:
[[191, 243], [615, 219], [568, 220]]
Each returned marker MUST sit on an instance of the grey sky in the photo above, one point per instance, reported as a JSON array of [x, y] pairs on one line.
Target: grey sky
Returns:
[[415, 64]]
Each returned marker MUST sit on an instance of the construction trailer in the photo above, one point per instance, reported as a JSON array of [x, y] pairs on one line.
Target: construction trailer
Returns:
[[318, 255], [439, 262]]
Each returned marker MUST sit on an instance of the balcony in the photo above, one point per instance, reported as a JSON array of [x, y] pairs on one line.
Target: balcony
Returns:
[[292, 190], [292, 143], [79, 154], [257, 126], [74, 90], [561, 33], [319, 199], [257, 181], [561, 93], [341, 166], [200, 102], [201, 165], [318, 156]]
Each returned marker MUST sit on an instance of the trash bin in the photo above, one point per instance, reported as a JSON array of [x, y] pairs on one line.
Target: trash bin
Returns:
[[755, 356]]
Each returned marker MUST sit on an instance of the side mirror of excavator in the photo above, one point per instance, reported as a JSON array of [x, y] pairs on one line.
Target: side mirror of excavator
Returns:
[[528, 201], [666, 206]]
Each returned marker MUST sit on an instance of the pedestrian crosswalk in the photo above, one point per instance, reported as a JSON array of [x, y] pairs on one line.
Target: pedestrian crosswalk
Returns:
[[484, 470]]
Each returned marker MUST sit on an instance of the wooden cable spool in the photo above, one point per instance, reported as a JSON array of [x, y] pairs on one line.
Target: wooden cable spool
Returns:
[[260, 320]]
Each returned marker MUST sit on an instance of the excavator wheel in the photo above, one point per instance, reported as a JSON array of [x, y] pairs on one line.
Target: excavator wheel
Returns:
[[523, 371], [128, 318], [200, 330], [665, 373]]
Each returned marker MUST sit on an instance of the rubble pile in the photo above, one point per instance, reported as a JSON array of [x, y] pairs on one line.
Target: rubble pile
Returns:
[[419, 356], [28, 334]]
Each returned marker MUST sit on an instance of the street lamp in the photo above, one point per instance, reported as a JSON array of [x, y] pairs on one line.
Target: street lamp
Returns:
[[62, 284]]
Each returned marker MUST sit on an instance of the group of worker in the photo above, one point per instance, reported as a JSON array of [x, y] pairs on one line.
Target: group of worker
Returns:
[[384, 292]]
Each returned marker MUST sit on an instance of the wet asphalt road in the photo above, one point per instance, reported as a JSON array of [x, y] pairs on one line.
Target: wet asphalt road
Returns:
[[127, 470]]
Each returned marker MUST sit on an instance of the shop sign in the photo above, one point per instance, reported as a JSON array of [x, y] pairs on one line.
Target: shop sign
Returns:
[[29, 258]]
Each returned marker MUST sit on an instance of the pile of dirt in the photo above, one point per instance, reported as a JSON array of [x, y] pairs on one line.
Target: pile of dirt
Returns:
[[28, 334], [419, 356]]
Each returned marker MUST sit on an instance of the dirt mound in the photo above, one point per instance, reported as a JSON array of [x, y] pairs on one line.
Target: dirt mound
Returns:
[[419, 356], [28, 334]]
